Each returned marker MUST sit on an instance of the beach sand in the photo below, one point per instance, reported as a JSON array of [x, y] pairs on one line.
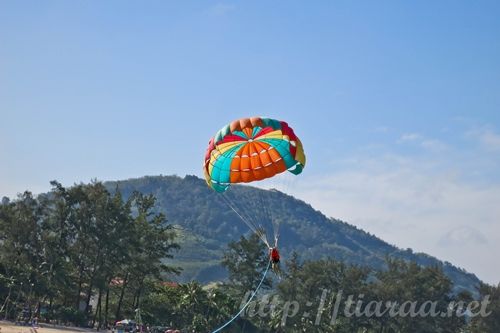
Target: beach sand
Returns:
[[9, 327]]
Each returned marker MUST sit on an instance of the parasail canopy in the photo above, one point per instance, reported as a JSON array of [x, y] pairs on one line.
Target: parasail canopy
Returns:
[[252, 149]]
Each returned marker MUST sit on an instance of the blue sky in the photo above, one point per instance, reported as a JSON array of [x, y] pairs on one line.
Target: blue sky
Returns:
[[397, 103]]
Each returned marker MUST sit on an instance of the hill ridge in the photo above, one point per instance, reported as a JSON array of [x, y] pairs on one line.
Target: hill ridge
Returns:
[[205, 226]]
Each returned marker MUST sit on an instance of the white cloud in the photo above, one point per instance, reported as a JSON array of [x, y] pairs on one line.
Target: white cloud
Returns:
[[422, 203], [433, 145], [486, 136], [489, 139], [410, 137], [221, 9], [381, 129], [463, 235]]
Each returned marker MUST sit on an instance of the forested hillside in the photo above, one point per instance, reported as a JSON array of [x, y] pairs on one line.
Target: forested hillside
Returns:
[[90, 256], [206, 224]]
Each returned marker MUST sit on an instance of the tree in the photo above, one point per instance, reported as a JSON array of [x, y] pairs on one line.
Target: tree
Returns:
[[490, 320], [408, 282], [153, 243], [314, 285], [60, 249], [20, 251], [246, 261]]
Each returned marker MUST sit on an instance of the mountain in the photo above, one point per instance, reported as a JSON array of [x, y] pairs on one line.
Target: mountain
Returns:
[[206, 223]]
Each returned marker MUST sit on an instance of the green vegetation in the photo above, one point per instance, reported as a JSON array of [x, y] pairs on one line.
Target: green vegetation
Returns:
[[489, 323], [246, 261], [209, 225], [92, 254], [188, 306], [61, 251], [313, 296]]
